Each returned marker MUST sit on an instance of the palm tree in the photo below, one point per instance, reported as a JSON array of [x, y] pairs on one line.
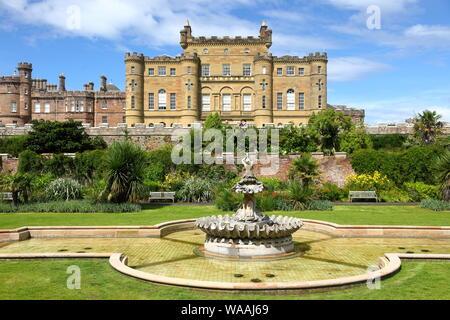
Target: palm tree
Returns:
[[427, 126], [125, 164], [18, 184], [442, 167], [304, 169]]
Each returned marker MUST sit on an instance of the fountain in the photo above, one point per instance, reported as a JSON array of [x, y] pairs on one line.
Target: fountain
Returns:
[[248, 233]]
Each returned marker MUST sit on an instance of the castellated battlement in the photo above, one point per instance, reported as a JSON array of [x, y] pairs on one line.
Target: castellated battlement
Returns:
[[25, 65], [134, 56], [10, 79], [311, 57]]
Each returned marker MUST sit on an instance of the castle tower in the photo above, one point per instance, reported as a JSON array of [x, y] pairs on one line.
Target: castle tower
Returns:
[[185, 35], [24, 105], [190, 64], [263, 89], [318, 80], [134, 87], [62, 82]]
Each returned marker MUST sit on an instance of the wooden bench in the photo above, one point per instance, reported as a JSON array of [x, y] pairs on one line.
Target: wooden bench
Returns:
[[363, 195], [6, 196], [162, 196]]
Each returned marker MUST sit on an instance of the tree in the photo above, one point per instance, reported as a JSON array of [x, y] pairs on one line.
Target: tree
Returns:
[[296, 139], [125, 164], [18, 184], [327, 125], [427, 126], [213, 121], [60, 137], [30, 162], [304, 169], [355, 139], [442, 169]]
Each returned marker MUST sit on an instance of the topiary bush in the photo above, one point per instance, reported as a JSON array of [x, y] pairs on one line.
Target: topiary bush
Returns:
[[435, 205], [64, 190]]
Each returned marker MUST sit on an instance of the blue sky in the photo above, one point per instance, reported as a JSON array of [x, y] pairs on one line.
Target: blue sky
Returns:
[[393, 71]]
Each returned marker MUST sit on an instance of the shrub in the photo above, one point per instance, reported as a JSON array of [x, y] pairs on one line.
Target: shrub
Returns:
[[420, 191], [388, 141], [435, 205], [299, 195], [64, 190], [227, 200], [39, 184], [13, 145], [273, 184], [89, 165], [74, 206], [367, 182], [319, 205], [59, 165], [30, 162], [304, 169], [355, 139], [272, 201], [195, 190], [331, 192], [394, 195]]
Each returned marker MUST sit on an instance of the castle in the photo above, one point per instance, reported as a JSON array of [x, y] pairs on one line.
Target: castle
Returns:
[[23, 99], [237, 77]]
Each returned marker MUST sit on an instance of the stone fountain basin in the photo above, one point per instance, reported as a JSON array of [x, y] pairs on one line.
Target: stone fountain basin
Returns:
[[266, 228]]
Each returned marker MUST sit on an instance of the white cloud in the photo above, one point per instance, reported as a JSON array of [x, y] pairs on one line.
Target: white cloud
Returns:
[[353, 68], [387, 6], [155, 22]]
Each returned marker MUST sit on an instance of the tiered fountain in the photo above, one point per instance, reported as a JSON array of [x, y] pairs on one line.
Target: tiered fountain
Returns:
[[248, 233]]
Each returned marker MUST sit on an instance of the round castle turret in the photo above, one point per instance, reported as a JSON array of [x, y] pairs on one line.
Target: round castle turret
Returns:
[[134, 86]]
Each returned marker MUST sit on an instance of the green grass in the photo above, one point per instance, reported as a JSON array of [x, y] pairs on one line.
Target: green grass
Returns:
[[369, 215], [46, 279]]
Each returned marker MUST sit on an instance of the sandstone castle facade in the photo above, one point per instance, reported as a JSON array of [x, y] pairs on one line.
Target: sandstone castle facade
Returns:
[[23, 99], [237, 77]]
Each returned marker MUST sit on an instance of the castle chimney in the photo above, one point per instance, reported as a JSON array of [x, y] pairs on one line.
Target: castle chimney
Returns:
[[62, 82], [86, 87], [91, 86], [103, 84], [185, 35]]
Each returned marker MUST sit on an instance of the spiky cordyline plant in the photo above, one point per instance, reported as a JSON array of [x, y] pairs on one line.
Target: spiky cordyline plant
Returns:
[[125, 164]]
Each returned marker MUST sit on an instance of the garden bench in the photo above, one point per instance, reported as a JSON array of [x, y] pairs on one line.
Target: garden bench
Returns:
[[6, 196], [162, 196], [363, 195]]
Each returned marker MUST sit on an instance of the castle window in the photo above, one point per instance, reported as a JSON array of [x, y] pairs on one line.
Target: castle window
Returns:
[[151, 72], [319, 102], [205, 70], [105, 119], [247, 100], [226, 70], [124, 105], [133, 102], [247, 70], [226, 102], [264, 102], [205, 50], [162, 99], [290, 71], [189, 102], [279, 71], [81, 103], [173, 72], [226, 51], [161, 71], [13, 107], [26, 92], [151, 101], [206, 102], [264, 70], [279, 101], [301, 71], [173, 101], [189, 70], [37, 107], [8, 89], [301, 101], [290, 99], [133, 69], [319, 69], [14, 122], [104, 105], [247, 51], [47, 107], [26, 106], [72, 106]]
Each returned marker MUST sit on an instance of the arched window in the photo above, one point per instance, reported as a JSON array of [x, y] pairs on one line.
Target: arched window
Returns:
[[162, 99], [290, 99]]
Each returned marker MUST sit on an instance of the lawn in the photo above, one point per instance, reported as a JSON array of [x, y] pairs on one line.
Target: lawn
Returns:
[[368, 215], [46, 279]]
